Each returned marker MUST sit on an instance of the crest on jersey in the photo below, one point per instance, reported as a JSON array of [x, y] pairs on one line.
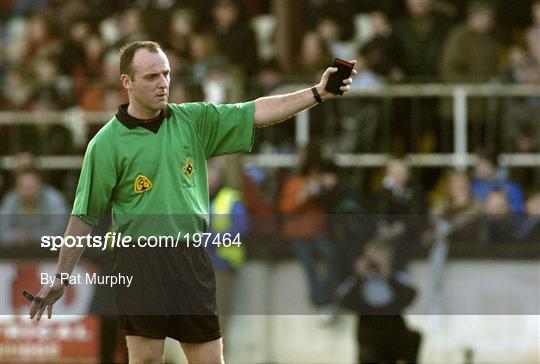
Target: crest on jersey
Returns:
[[188, 169], [142, 184]]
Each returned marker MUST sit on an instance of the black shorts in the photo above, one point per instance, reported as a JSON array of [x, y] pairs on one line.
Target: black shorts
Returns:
[[173, 293], [184, 328]]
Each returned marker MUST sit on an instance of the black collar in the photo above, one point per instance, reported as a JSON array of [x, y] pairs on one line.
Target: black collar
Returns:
[[131, 122]]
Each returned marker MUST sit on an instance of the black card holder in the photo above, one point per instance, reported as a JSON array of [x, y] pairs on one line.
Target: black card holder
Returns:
[[335, 81]]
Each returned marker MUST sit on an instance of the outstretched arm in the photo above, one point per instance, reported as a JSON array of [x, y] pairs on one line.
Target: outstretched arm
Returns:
[[274, 109], [69, 256]]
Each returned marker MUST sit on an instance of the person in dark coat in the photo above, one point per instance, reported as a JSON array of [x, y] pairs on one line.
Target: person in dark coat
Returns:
[[348, 224], [471, 55], [419, 36], [235, 36], [378, 292]]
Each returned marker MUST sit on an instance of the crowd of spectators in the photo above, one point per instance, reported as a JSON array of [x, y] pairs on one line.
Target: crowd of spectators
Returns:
[[60, 55], [355, 249], [63, 55]]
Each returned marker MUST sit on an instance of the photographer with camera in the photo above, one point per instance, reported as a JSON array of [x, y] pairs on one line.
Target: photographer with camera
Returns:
[[378, 292]]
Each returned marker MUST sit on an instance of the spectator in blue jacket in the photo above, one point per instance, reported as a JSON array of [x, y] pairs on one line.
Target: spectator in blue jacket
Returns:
[[487, 178], [31, 210]]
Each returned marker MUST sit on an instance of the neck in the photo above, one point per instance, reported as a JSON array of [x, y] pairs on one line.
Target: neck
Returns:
[[141, 113]]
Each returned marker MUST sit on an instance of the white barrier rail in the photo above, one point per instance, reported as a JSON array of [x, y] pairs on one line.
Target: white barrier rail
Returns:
[[52, 162], [78, 122]]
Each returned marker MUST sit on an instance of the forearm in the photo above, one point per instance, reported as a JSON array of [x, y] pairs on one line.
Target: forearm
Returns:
[[69, 256], [274, 109]]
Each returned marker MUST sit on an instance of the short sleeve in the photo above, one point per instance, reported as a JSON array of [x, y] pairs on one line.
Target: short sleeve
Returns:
[[227, 128], [96, 182]]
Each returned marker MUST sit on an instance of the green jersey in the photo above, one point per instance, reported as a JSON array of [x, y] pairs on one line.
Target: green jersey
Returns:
[[156, 180]]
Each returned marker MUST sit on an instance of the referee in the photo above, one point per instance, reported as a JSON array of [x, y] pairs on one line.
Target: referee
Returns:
[[149, 163]]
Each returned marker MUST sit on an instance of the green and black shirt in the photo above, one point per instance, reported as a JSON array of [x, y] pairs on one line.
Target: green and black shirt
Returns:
[[155, 176]]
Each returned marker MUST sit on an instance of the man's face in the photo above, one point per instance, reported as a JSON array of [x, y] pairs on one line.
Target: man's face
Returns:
[[484, 169], [149, 87], [419, 8], [497, 203], [459, 187], [28, 187], [481, 20], [225, 14], [398, 171]]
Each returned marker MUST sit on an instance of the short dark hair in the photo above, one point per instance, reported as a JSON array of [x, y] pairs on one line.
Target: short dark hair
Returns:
[[127, 53]]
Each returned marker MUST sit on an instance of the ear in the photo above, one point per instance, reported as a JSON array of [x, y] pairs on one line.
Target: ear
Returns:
[[126, 81]]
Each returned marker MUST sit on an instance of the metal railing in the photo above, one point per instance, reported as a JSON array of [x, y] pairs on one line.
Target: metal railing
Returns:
[[460, 158], [78, 122]]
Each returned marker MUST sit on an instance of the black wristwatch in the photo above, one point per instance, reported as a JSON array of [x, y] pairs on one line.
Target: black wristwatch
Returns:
[[316, 95], [65, 281]]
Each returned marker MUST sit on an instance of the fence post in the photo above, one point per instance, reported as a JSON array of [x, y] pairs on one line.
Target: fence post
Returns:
[[302, 128], [75, 122], [460, 128]]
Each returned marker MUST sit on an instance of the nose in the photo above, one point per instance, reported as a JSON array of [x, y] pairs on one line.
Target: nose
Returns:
[[163, 81]]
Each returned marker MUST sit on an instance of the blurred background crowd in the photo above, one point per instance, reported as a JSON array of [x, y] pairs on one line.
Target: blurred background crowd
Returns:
[[63, 55], [60, 55], [360, 221]]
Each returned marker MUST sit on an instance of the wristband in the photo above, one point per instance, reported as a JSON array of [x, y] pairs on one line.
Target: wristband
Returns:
[[65, 282], [316, 95]]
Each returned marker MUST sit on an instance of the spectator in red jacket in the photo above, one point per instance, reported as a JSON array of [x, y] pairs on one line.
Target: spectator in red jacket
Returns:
[[305, 224]]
